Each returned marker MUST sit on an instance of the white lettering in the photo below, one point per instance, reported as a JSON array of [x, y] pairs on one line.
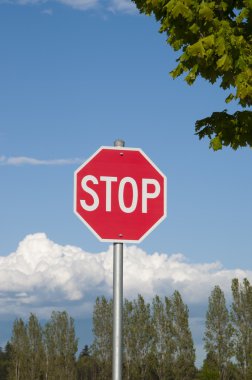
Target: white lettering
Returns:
[[108, 181], [134, 194], [146, 195], [90, 191]]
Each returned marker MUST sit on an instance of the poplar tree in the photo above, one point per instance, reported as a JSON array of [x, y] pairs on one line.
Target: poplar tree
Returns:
[[242, 320], [141, 335], [183, 367], [163, 345], [128, 342], [102, 330], [36, 353], [218, 332], [60, 346], [19, 351]]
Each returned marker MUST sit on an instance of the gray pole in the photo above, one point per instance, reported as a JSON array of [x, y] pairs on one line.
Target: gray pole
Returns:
[[117, 302]]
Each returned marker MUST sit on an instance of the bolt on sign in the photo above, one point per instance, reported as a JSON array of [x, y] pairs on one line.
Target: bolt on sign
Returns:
[[120, 194]]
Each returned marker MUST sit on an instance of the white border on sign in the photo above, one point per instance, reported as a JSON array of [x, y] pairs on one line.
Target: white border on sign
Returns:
[[165, 195]]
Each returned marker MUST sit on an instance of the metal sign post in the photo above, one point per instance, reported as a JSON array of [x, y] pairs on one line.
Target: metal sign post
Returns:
[[117, 310], [120, 195], [117, 303]]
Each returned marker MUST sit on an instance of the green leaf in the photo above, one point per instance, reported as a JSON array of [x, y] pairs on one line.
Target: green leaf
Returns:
[[220, 46], [216, 143], [196, 49], [184, 57], [190, 78], [181, 9], [208, 41], [206, 12], [223, 5], [194, 28], [177, 71], [229, 98], [225, 62]]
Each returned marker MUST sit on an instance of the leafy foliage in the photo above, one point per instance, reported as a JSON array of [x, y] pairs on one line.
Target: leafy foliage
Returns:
[[209, 369], [214, 40], [184, 359], [20, 345], [157, 342], [234, 130], [163, 339], [102, 330], [35, 351], [242, 319], [218, 333], [60, 346], [5, 356], [37, 354]]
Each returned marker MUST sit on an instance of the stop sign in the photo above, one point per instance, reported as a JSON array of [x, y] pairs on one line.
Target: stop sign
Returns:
[[120, 194]]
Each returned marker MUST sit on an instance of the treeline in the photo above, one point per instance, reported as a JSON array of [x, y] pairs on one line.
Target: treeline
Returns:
[[228, 334], [157, 343], [36, 353]]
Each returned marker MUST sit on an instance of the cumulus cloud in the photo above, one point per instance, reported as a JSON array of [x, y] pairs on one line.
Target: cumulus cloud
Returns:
[[109, 5], [42, 275], [22, 160]]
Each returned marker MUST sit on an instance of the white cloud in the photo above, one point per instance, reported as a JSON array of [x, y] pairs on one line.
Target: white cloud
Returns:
[[42, 275], [125, 6], [22, 160], [109, 5], [80, 4]]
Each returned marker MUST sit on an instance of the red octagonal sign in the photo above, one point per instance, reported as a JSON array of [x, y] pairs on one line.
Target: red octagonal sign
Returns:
[[120, 194]]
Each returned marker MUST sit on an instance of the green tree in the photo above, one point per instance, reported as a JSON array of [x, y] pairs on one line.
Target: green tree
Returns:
[[209, 370], [242, 320], [183, 367], [214, 40], [102, 329], [128, 356], [85, 352], [218, 332], [19, 348], [233, 372], [5, 357], [141, 335], [3, 373], [36, 353], [60, 347], [137, 336], [86, 365], [163, 345]]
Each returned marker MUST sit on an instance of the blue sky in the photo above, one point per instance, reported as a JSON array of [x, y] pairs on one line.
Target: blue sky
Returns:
[[76, 75]]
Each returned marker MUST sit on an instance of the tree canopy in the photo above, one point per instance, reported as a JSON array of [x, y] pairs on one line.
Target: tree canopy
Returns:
[[157, 341], [214, 39]]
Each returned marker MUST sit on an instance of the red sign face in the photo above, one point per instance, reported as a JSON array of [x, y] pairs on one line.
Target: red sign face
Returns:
[[120, 194]]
